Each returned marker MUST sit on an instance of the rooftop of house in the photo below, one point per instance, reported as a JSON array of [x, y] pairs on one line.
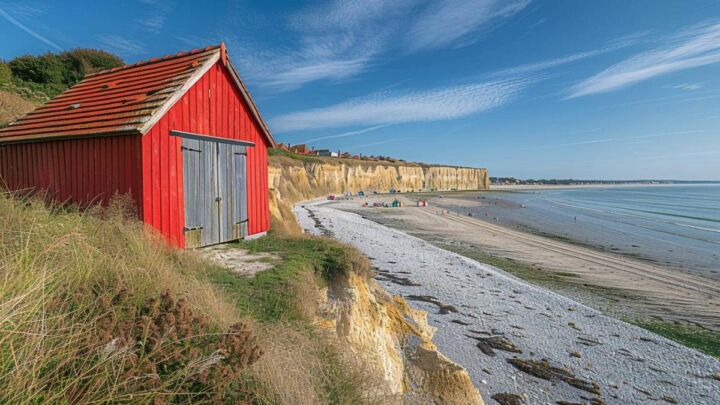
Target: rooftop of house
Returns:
[[124, 100]]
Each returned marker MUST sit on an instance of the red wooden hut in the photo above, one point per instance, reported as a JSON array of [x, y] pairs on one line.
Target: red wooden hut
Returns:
[[180, 134]]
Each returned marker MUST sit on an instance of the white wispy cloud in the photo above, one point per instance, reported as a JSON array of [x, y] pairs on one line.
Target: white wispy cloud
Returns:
[[152, 23], [622, 139], [120, 45], [584, 131], [693, 47], [535, 24], [551, 63], [27, 11], [340, 39], [156, 11], [444, 23], [24, 9], [685, 86], [196, 41], [534, 67], [335, 41], [289, 69], [350, 14], [349, 133], [365, 145], [394, 108]]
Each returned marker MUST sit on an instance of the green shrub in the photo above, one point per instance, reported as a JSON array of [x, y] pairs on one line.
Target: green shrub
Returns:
[[51, 74], [44, 69], [5, 73], [81, 62]]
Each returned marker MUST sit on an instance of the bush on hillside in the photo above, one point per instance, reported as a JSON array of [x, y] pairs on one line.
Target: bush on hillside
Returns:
[[52, 73], [5, 73], [81, 62], [44, 69]]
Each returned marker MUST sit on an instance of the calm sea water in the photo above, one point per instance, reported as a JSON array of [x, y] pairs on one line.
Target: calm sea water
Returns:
[[677, 225]]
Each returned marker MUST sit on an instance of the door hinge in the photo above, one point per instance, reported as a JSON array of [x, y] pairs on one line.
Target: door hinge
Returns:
[[190, 149]]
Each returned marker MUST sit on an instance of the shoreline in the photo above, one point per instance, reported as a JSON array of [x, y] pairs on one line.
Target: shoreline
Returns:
[[506, 331], [617, 284], [630, 234], [538, 187]]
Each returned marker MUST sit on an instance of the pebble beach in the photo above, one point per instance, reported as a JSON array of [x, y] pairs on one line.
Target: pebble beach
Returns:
[[516, 338]]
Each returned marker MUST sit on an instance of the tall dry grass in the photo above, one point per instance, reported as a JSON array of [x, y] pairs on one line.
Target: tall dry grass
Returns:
[[13, 106], [92, 310]]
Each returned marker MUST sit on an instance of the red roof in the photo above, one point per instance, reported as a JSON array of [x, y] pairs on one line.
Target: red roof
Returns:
[[123, 101]]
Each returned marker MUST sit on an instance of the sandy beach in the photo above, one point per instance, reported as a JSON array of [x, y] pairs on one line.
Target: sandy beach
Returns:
[[514, 337], [616, 284]]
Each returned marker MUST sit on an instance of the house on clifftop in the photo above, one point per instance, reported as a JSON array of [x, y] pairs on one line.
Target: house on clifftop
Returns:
[[180, 134]]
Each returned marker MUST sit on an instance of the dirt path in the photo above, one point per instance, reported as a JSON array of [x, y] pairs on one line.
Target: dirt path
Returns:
[[636, 287], [518, 339]]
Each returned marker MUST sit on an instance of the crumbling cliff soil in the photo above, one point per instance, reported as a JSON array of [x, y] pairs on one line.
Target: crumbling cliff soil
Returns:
[[396, 341]]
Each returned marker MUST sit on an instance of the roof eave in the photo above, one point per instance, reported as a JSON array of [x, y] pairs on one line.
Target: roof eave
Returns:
[[60, 137], [251, 103], [177, 95]]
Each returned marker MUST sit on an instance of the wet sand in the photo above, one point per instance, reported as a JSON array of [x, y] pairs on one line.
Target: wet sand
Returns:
[[616, 284]]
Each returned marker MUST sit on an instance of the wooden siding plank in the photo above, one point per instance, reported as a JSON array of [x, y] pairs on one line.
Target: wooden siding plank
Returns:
[[202, 110]]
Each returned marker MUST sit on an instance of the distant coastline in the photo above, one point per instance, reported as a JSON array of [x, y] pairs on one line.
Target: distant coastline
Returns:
[[547, 186], [513, 181]]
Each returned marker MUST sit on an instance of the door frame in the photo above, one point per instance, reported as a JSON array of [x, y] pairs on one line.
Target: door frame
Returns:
[[201, 137], [236, 231]]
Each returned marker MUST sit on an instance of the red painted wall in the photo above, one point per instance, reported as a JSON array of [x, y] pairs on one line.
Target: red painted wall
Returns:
[[92, 170], [82, 171], [213, 107]]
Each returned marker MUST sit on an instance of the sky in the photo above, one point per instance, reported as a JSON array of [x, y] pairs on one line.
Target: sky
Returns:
[[527, 88]]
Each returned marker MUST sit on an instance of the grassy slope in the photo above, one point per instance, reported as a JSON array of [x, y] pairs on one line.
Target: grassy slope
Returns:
[[13, 106], [92, 309]]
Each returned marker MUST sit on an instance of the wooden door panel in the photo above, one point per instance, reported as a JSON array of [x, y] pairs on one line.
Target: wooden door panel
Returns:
[[215, 191], [199, 184]]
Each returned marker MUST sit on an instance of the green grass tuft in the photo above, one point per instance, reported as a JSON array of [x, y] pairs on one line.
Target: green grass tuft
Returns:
[[271, 296], [695, 337]]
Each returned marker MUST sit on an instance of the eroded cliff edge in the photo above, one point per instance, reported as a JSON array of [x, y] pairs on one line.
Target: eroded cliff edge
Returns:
[[304, 178], [395, 342]]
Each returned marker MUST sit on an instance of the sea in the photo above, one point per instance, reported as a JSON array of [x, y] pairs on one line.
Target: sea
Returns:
[[673, 225]]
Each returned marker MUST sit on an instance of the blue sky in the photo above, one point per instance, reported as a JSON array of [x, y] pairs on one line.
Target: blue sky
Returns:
[[528, 88]]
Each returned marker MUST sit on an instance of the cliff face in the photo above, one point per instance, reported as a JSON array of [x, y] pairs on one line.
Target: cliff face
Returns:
[[395, 342], [392, 340], [294, 180]]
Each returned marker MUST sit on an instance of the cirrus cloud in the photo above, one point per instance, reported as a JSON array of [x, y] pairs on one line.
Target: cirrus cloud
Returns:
[[693, 47], [341, 39], [395, 108]]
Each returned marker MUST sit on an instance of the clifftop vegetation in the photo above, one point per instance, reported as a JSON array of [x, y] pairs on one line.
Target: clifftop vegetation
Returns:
[[96, 311], [29, 80], [40, 77]]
